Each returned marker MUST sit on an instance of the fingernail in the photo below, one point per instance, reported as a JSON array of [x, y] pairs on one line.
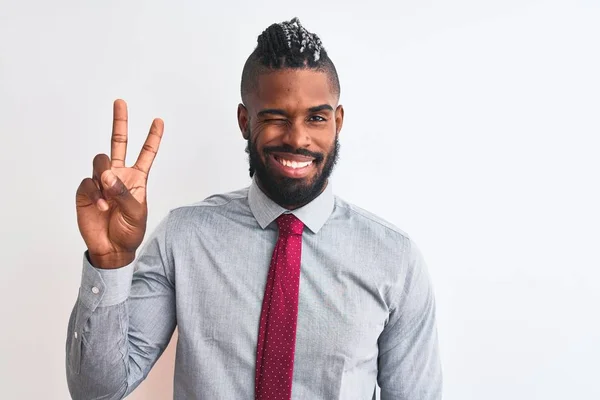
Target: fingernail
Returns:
[[102, 205], [109, 178]]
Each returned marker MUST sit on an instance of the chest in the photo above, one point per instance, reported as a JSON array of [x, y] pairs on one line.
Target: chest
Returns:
[[220, 287]]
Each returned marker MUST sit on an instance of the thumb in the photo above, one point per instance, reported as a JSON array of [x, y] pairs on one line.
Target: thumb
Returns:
[[115, 189]]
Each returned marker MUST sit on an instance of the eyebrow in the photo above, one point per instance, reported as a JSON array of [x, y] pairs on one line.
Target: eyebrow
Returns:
[[322, 107], [272, 111], [277, 111]]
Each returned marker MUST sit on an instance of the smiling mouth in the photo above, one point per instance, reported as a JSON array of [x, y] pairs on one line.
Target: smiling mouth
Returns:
[[294, 164]]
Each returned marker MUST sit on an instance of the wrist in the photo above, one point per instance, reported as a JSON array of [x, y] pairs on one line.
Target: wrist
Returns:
[[111, 261]]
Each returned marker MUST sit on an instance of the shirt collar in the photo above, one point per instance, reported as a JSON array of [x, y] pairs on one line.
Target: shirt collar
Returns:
[[313, 215]]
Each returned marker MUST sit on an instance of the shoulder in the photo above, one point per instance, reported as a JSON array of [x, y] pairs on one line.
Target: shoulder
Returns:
[[399, 260], [235, 202], [371, 224]]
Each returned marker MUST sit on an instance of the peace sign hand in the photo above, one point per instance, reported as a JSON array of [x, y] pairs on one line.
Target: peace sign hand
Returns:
[[111, 205]]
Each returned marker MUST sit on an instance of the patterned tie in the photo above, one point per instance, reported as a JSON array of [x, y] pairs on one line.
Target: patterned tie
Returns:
[[279, 315]]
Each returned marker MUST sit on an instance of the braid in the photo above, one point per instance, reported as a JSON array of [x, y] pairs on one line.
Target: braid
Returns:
[[287, 45]]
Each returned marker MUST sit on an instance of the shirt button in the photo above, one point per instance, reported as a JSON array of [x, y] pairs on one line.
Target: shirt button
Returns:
[[75, 335], [95, 290]]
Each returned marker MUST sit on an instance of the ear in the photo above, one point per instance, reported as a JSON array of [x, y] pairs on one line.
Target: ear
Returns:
[[339, 119], [243, 120]]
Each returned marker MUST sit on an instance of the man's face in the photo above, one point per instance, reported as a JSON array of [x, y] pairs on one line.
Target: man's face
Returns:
[[291, 122]]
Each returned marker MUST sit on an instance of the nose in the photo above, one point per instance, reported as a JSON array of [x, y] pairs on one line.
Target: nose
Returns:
[[297, 136]]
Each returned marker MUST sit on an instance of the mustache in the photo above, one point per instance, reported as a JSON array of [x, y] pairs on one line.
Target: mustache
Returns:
[[289, 149]]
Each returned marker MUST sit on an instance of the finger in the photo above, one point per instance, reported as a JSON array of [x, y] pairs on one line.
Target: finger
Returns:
[[89, 194], [100, 164], [115, 189], [102, 203], [118, 143], [148, 153]]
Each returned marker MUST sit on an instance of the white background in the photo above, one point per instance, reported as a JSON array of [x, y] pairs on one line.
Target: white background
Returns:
[[472, 125]]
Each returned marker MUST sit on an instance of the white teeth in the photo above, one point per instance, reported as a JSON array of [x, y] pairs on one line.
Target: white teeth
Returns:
[[294, 164]]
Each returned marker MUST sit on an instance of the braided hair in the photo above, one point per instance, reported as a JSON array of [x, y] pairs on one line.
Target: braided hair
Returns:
[[287, 45]]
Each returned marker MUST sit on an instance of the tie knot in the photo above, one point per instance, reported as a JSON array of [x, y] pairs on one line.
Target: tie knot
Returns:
[[289, 225]]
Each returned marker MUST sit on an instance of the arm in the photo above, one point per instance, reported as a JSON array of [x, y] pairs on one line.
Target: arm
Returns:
[[409, 363], [118, 330]]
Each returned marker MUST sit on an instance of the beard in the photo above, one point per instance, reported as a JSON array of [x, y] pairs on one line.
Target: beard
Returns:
[[291, 192]]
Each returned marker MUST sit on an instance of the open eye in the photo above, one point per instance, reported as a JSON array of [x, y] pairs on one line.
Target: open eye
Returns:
[[317, 118]]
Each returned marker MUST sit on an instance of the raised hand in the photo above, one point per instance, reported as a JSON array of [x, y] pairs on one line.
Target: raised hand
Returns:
[[111, 205]]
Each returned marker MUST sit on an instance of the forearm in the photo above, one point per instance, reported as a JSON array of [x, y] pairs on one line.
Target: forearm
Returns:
[[97, 353], [121, 323], [97, 338]]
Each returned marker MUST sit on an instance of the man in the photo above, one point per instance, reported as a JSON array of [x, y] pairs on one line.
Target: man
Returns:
[[280, 290]]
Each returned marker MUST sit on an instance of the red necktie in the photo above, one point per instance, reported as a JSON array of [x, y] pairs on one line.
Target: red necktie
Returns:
[[279, 315]]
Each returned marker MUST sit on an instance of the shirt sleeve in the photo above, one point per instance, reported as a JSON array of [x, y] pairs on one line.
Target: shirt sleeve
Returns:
[[409, 365], [121, 322]]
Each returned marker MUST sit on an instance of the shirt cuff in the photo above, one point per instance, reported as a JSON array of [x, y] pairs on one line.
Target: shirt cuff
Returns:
[[104, 287]]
